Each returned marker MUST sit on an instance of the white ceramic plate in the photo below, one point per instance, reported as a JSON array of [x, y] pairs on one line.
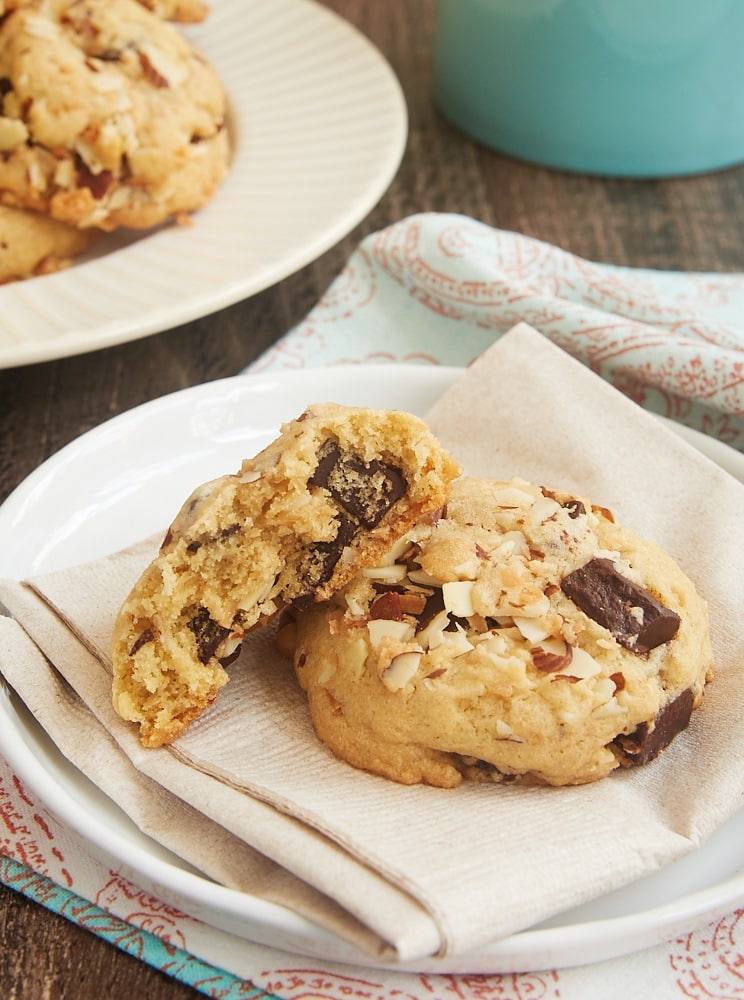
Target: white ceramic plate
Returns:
[[319, 125], [124, 480]]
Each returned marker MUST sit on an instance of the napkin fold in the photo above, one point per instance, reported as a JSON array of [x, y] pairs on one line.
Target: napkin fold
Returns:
[[69, 616], [410, 872]]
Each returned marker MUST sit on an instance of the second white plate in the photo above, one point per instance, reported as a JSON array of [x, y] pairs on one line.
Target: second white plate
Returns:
[[123, 481], [319, 125]]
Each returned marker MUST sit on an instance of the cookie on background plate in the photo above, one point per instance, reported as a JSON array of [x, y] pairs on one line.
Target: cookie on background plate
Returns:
[[108, 116], [32, 244], [329, 496], [184, 11], [521, 636]]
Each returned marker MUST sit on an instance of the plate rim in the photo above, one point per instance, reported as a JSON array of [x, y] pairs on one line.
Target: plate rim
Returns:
[[51, 292], [528, 950]]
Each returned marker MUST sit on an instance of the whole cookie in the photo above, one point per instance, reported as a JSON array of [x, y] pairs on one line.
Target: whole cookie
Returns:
[[522, 635], [108, 115], [32, 244], [329, 496]]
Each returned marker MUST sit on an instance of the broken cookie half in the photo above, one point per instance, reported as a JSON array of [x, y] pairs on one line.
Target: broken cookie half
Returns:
[[327, 498]]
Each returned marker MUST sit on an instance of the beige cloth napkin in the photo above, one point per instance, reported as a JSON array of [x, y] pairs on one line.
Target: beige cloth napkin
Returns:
[[211, 848], [429, 870], [168, 799]]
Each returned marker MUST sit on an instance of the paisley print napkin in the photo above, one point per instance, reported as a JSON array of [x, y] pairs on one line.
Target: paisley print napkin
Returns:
[[440, 288]]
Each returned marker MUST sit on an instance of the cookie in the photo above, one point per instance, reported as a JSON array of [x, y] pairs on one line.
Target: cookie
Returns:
[[109, 117], [329, 496], [521, 636], [32, 244], [184, 11]]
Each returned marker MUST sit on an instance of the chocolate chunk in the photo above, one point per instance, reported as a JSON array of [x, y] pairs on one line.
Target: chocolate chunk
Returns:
[[320, 560], [327, 554], [196, 543], [434, 604], [575, 508], [142, 640], [366, 491], [226, 661], [485, 765], [208, 634], [631, 613], [647, 741], [476, 767]]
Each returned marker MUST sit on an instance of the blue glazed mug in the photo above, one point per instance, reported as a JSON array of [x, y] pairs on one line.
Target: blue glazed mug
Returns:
[[635, 88]]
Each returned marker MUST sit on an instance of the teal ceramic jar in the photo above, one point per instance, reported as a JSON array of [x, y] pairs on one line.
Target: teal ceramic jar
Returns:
[[641, 88]]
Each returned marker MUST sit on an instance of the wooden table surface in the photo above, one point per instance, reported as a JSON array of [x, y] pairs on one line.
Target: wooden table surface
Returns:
[[686, 224]]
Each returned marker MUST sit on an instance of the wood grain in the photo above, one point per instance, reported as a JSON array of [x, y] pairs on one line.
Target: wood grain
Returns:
[[45, 957], [687, 224]]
